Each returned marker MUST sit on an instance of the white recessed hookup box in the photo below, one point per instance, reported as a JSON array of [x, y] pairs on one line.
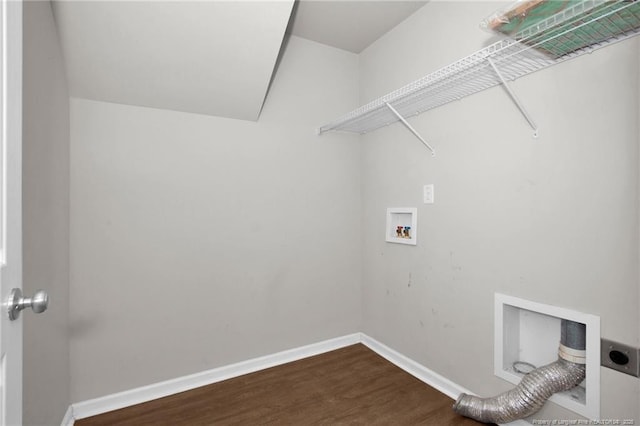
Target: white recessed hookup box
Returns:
[[402, 225], [528, 332]]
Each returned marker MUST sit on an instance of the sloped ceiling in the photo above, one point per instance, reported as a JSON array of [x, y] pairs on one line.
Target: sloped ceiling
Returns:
[[208, 57], [349, 25], [212, 57]]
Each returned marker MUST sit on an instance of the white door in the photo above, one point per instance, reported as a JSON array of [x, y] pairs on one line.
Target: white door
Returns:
[[10, 210]]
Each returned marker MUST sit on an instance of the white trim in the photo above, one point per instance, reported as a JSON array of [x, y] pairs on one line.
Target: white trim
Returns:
[[420, 372], [142, 394], [398, 216], [517, 423], [11, 332], [158, 390], [68, 418], [503, 343], [433, 379]]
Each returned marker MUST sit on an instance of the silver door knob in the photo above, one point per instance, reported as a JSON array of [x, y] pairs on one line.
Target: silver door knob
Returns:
[[16, 303]]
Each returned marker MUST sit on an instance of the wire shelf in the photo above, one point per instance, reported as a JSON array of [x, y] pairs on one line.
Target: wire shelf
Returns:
[[581, 28]]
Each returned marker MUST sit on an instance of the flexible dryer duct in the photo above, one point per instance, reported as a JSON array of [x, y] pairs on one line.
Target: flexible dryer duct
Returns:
[[537, 386]]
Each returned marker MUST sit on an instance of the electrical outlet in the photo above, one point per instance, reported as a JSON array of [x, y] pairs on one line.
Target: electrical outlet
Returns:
[[620, 357], [429, 194]]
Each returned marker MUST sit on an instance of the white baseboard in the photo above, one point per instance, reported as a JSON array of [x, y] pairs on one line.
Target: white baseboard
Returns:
[[420, 372], [68, 418], [516, 423], [139, 395], [124, 399], [433, 379]]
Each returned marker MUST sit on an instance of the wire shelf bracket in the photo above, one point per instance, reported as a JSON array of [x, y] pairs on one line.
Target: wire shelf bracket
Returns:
[[411, 129], [515, 99]]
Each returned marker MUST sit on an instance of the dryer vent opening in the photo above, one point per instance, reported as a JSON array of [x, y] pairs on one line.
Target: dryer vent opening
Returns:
[[536, 386]]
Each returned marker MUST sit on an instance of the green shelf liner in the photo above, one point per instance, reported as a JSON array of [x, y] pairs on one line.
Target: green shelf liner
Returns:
[[603, 22]]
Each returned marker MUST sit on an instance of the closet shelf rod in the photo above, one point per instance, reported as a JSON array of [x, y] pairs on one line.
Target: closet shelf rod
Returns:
[[411, 129], [515, 99]]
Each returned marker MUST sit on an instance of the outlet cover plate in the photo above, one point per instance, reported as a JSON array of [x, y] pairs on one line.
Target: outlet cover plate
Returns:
[[428, 193]]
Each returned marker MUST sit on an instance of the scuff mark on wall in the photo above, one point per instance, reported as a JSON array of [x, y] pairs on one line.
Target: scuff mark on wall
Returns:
[[454, 267]]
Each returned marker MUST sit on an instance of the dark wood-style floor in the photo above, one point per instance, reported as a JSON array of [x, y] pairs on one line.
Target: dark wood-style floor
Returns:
[[349, 386]]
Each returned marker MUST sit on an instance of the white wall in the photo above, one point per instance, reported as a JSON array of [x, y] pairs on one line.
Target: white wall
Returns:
[[553, 219], [45, 217], [199, 241]]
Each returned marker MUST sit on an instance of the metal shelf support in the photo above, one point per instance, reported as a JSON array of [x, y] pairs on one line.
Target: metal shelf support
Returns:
[[515, 99], [411, 129], [584, 27]]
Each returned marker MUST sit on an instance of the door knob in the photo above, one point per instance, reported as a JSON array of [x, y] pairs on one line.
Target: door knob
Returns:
[[38, 303]]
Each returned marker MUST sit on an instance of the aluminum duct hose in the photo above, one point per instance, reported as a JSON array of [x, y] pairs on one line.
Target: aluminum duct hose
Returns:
[[536, 387], [526, 398]]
